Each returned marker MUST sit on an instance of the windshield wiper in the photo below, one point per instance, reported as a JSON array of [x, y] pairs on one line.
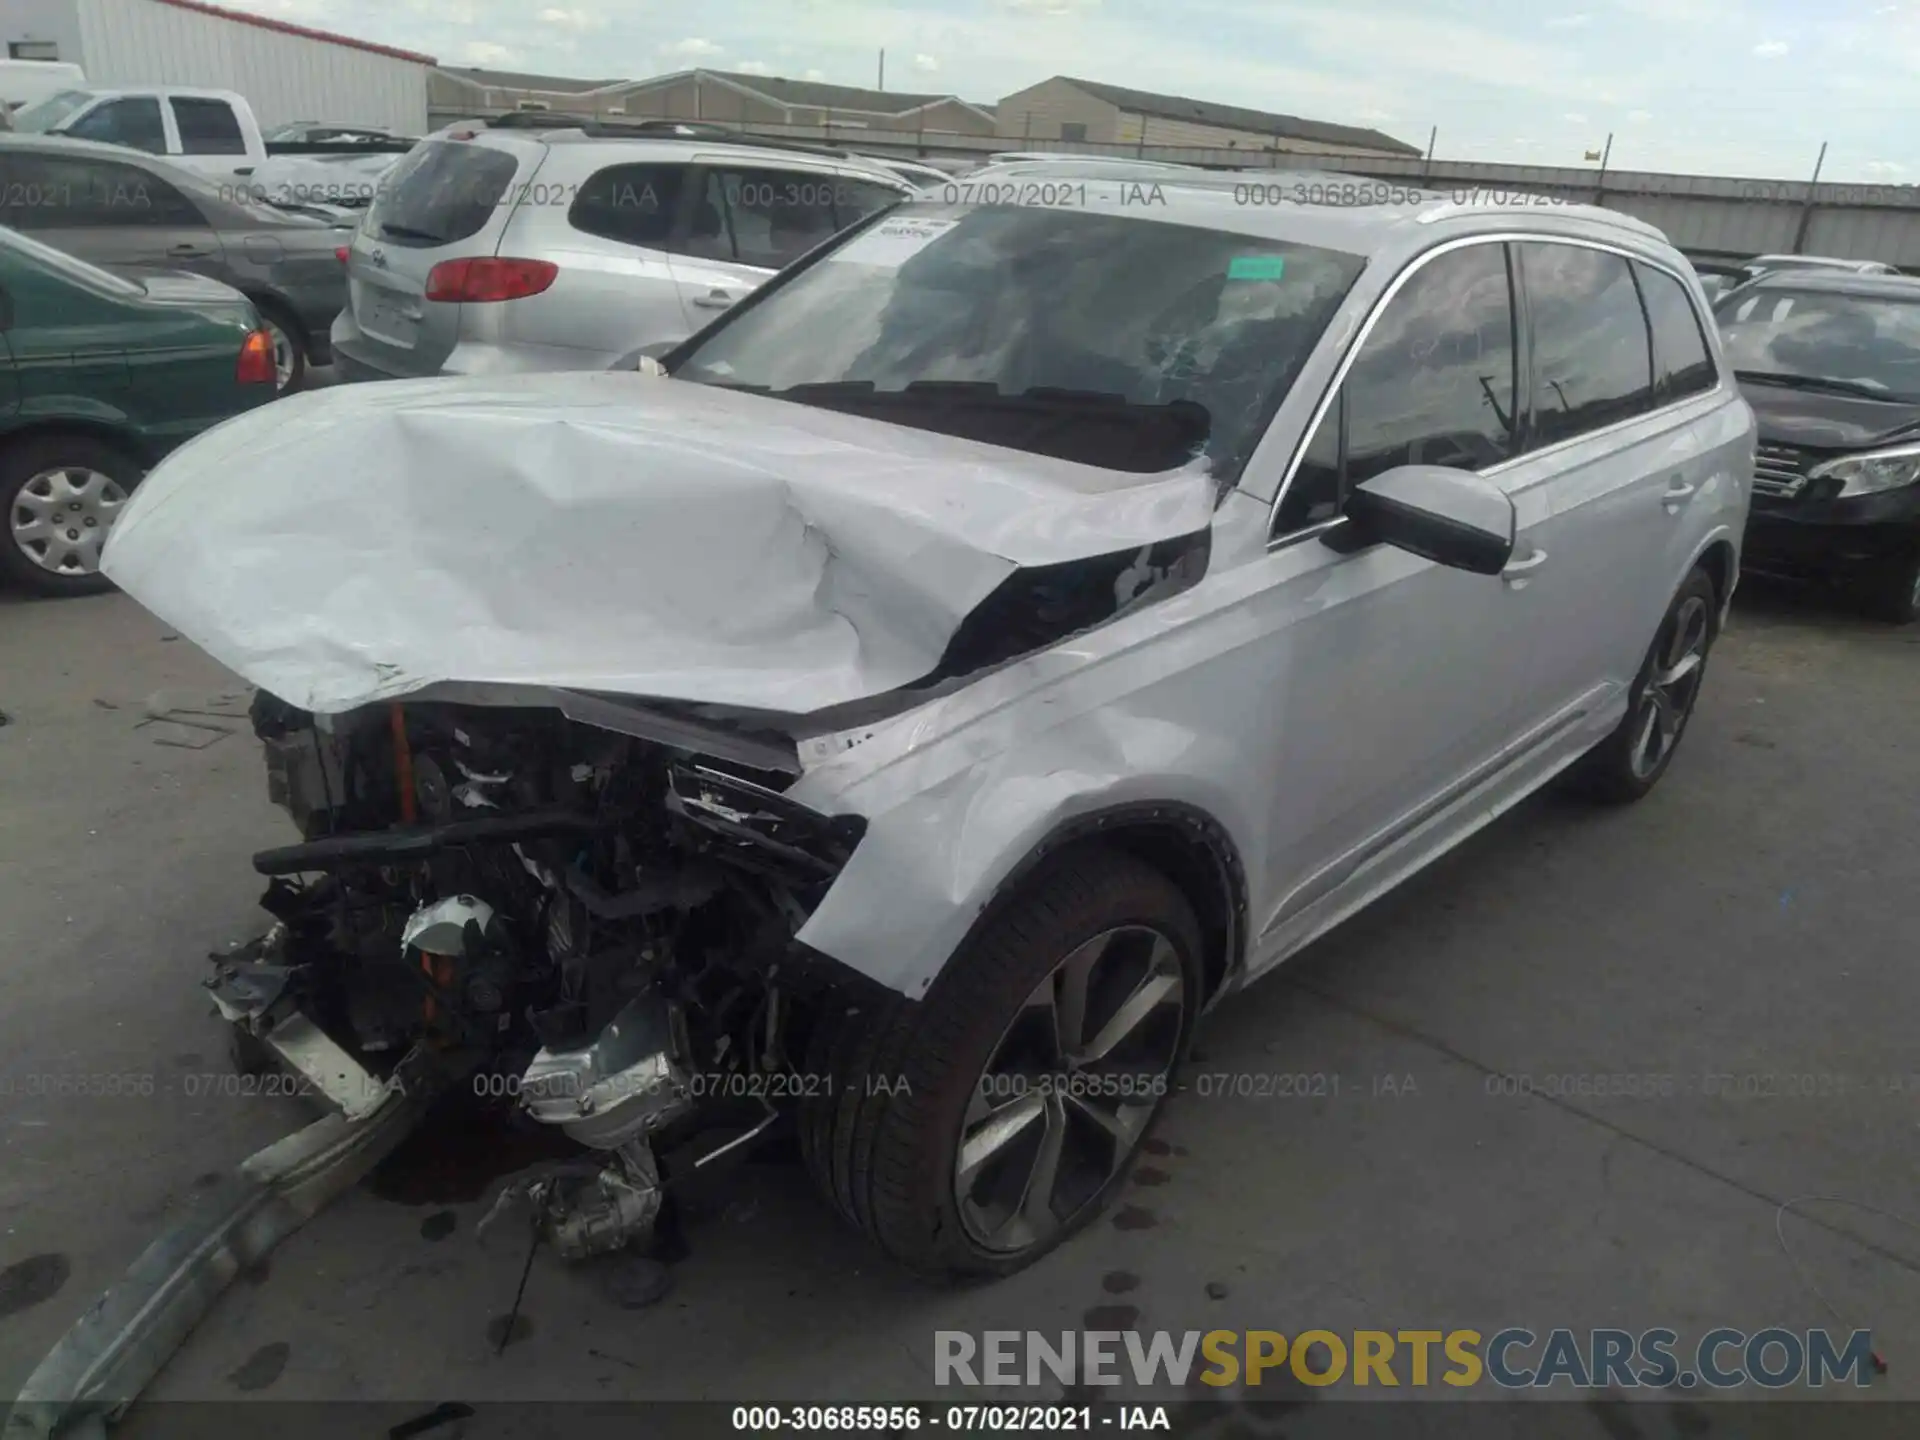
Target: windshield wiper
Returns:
[[822, 389], [1818, 382]]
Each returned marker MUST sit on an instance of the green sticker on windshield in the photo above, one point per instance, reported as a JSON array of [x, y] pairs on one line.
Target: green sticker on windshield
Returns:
[[1256, 267]]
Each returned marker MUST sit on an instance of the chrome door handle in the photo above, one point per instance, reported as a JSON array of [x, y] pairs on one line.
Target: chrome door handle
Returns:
[[1676, 496], [1516, 573], [713, 300]]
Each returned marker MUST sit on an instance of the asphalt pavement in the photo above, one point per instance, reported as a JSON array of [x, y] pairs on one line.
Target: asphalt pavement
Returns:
[[1748, 932]]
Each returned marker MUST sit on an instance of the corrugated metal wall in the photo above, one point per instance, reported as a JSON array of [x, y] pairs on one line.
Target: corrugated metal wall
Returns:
[[1711, 214], [1191, 133], [1038, 112], [284, 77], [55, 22]]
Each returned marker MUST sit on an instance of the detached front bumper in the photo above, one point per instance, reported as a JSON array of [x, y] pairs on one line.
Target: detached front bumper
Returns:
[[1832, 538], [125, 1338]]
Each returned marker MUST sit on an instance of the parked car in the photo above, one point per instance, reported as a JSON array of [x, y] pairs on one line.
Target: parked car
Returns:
[[989, 645], [211, 132], [1063, 157], [101, 376], [921, 177], [1830, 362], [514, 249], [309, 132], [129, 211], [1717, 276], [1768, 264], [346, 180]]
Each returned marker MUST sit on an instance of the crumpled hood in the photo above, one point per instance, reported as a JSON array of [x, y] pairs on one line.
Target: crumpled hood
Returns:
[[620, 533]]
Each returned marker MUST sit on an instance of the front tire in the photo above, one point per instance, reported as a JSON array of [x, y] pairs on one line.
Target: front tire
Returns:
[[970, 1133], [60, 494], [1630, 761]]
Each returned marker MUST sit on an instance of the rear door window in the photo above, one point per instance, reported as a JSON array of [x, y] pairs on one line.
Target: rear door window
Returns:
[[1592, 353], [133, 121], [207, 127], [443, 192], [633, 204], [769, 218], [1682, 361]]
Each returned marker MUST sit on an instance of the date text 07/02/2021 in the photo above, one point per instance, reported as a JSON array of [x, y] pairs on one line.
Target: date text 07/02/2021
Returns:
[[956, 1419]]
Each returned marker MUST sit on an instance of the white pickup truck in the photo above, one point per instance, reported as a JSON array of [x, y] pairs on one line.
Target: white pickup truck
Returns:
[[211, 131]]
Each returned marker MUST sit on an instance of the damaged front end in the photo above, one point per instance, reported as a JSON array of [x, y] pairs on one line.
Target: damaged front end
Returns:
[[602, 922]]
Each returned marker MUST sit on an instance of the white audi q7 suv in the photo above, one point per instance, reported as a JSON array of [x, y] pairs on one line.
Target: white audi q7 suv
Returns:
[[904, 707]]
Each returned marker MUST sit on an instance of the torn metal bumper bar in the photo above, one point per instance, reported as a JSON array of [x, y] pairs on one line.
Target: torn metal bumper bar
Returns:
[[124, 1339]]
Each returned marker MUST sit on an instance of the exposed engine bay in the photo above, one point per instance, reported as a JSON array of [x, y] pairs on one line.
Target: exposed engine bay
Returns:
[[595, 924]]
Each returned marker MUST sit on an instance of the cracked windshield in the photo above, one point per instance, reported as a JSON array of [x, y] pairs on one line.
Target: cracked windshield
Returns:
[[671, 676]]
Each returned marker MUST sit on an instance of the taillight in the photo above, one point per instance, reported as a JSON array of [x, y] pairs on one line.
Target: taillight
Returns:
[[256, 360], [487, 278], [340, 254]]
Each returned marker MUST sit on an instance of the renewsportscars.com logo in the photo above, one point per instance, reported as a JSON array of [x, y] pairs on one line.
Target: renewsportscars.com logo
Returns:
[[1512, 1359]]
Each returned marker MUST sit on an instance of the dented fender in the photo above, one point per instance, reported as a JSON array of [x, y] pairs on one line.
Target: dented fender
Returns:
[[1151, 710], [930, 864]]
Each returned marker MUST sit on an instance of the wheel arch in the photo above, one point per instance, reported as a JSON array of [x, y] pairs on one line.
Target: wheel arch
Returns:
[[267, 302], [1722, 564], [1182, 842], [100, 430]]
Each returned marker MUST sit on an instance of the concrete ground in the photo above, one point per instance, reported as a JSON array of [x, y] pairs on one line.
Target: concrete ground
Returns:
[[1754, 919]]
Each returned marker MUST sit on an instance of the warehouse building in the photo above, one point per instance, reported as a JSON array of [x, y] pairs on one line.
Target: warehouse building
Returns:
[[713, 95], [771, 100], [286, 72], [472, 92], [1093, 114]]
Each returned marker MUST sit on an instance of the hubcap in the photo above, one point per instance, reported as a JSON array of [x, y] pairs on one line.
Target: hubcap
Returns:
[[1069, 1089], [1672, 686], [61, 517], [283, 356]]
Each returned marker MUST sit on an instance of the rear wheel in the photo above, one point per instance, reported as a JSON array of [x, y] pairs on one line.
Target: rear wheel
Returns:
[[1630, 761], [972, 1132], [61, 493], [289, 350]]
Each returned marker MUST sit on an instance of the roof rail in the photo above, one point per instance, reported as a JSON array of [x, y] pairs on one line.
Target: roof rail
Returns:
[[704, 130]]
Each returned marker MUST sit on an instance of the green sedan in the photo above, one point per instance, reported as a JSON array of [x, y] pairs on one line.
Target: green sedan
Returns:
[[99, 378]]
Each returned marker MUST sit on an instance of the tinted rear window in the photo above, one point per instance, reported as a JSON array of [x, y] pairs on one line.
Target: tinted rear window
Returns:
[[633, 204], [443, 192], [207, 127]]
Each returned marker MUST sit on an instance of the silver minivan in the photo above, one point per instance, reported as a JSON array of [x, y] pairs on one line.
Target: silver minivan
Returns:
[[504, 251]]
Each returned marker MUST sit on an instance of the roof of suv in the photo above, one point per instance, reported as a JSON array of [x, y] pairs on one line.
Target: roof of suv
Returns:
[[663, 147], [1386, 216], [1821, 262], [1866, 284]]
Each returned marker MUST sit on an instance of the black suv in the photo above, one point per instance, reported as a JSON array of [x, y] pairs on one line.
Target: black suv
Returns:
[[1830, 362]]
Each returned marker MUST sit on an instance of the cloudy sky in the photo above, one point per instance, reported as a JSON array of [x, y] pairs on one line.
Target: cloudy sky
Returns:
[[1742, 87]]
